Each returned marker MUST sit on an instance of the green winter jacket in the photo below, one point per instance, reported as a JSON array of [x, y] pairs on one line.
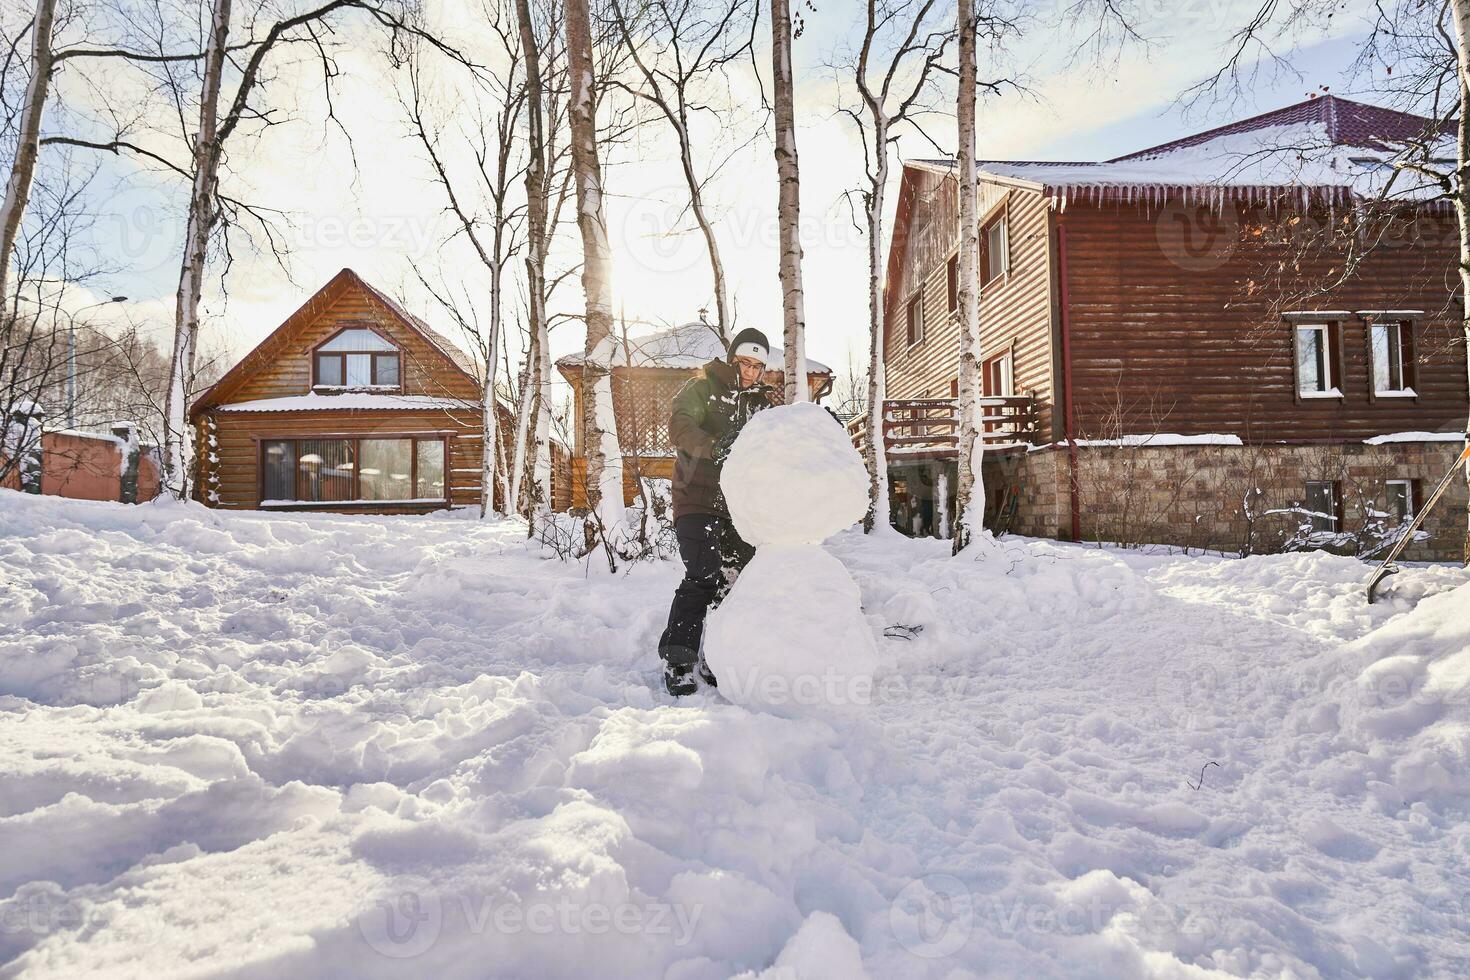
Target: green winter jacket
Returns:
[[706, 408]]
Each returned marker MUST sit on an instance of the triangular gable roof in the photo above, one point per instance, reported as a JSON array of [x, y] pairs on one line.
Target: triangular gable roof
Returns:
[[1345, 123], [265, 352], [1327, 150], [690, 345]]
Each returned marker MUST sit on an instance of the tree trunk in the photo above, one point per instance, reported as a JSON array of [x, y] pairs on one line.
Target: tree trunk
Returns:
[[696, 204], [201, 221], [525, 405], [1460, 10], [532, 423], [28, 146], [489, 415], [789, 206], [876, 450], [541, 474], [970, 485], [604, 457]]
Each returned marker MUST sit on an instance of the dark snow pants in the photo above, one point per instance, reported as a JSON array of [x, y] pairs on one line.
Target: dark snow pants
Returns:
[[713, 554]]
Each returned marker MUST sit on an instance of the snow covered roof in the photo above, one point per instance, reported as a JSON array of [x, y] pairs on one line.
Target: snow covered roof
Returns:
[[691, 345], [349, 401], [1323, 150], [272, 346]]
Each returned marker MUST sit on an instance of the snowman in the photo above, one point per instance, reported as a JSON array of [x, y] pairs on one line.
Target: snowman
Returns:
[[791, 637]]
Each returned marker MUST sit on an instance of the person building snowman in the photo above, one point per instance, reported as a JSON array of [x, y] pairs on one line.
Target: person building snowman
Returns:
[[708, 413]]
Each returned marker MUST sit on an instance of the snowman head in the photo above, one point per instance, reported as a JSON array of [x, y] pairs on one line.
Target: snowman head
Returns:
[[793, 477]]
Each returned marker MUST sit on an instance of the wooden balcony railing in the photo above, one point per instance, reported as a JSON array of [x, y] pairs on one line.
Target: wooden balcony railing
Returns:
[[931, 426]]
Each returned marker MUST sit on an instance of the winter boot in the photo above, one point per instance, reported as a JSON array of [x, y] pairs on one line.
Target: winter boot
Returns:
[[679, 679]]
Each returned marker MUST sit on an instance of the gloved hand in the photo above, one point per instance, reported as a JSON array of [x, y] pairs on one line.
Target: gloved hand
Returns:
[[723, 445]]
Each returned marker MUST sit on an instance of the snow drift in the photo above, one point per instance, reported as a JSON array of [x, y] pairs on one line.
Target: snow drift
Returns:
[[305, 745]]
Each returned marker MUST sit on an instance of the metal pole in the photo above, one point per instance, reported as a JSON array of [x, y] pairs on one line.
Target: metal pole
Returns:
[[71, 373]]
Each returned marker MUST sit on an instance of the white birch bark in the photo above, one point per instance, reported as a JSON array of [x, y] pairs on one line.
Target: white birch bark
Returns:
[[532, 424], [1460, 11], [876, 448], [541, 473], [789, 206], [489, 415], [525, 405], [969, 485], [201, 221], [604, 456], [28, 146]]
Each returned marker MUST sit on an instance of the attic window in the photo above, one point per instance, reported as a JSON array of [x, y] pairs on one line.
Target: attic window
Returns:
[[356, 358]]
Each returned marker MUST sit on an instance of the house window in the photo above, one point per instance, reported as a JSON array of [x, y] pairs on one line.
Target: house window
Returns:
[[1392, 362], [916, 320], [1316, 372], [952, 283], [998, 381], [310, 471], [995, 249], [385, 469], [1322, 505], [1400, 501], [356, 358]]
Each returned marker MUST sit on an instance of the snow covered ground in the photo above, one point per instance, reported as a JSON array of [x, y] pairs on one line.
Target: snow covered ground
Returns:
[[271, 745]]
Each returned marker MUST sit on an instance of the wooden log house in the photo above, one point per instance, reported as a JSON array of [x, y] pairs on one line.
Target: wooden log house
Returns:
[[647, 372], [1170, 352], [351, 405]]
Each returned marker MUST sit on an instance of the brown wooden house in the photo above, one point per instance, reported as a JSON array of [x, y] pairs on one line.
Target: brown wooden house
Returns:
[[1181, 344], [351, 405], [647, 372]]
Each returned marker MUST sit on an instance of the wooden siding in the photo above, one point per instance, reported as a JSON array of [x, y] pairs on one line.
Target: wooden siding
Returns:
[[424, 370], [1169, 338], [651, 467], [1015, 310], [238, 436]]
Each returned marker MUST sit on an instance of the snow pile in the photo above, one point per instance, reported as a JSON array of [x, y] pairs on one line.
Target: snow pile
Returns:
[[315, 745], [793, 477], [1408, 709], [791, 636]]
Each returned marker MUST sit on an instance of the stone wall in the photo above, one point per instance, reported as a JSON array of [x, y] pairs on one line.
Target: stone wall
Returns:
[[1233, 499]]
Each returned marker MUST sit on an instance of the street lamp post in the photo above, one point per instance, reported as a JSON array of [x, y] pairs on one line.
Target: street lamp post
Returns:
[[71, 354]]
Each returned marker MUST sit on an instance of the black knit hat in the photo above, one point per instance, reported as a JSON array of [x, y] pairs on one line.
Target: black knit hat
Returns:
[[745, 338]]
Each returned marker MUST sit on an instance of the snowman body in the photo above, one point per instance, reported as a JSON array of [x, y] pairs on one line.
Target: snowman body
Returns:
[[791, 636]]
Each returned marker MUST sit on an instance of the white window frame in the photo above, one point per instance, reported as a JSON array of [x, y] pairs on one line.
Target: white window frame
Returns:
[[1329, 387], [1408, 486], [1002, 225], [1381, 388]]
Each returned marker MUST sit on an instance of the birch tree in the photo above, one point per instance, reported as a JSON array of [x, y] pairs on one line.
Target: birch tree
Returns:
[[890, 83], [679, 50], [788, 175], [970, 484], [28, 145], [47, 57], [528, 404], [599, 426], [1460, 13], [202, 215], [484, 216]]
